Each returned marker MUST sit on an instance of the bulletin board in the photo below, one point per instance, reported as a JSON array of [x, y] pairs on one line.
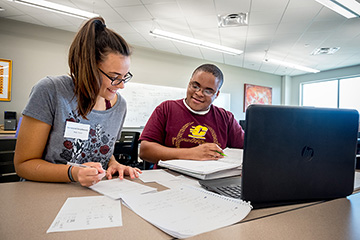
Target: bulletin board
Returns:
[[5, 79], [142, 99]]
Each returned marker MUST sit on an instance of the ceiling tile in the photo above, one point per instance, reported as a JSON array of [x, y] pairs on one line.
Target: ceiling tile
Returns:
[[189, 50], [123, 3], [197, 8], [122, 27], [232, 6], [202, 22], [211, 35], [264, 17], [175, 25], [266, 5], [236, 60], [134, 13], [164, 10]]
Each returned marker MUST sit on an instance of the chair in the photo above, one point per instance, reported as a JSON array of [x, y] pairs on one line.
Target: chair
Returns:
[[126, 149], [242, 124], [7, 169]]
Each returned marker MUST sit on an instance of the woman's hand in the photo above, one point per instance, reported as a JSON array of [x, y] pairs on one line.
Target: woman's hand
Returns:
[[122, 170], [88, 176]]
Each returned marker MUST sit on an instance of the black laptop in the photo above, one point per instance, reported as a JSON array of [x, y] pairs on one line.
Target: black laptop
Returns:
[[294, 154]]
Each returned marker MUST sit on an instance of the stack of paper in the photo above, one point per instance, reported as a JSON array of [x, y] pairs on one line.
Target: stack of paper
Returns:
[[188, 211], [211, 169]]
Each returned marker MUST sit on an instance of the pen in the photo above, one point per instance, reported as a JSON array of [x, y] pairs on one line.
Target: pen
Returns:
[[223, 154], [77, 165], [80, 165]]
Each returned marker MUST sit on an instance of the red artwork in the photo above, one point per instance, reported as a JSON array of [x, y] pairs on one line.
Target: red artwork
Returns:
[[256, 95]]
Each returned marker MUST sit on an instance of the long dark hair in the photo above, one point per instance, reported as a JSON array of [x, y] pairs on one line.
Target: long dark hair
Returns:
[[90, 46]]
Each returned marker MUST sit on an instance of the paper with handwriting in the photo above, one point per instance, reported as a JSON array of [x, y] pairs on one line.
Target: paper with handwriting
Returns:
[[82, 213], [188, 211]]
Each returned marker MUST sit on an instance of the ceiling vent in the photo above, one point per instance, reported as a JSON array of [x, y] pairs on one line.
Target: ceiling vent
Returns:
[[233, 20], [322, 51]]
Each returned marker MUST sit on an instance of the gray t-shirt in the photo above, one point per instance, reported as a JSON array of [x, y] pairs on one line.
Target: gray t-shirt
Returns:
[[52, 101]]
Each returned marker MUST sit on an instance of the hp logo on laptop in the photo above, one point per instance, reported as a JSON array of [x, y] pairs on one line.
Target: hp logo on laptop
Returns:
[[307, 153]]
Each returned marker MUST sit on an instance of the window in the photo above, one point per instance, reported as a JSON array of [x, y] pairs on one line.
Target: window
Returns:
[[349, 93], [339, 93], [320, 94]]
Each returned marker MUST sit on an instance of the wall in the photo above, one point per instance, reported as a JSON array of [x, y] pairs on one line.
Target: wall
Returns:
[[296, 81], [37, 51]]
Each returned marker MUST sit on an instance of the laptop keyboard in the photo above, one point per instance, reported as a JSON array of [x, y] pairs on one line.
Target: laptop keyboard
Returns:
[[233, 191]]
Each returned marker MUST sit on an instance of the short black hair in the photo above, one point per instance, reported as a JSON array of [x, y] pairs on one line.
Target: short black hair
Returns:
[[214, 70]]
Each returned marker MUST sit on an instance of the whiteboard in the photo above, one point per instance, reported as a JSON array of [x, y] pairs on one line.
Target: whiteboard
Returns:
[[142, 99]]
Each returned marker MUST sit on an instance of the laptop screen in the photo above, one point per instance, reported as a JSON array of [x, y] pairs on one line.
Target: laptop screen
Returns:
[[298, 153]]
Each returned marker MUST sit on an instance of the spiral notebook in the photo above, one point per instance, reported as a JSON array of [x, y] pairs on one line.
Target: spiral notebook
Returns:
[[295, 154]]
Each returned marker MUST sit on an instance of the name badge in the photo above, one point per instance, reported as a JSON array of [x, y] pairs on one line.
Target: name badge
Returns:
[[77, 130]]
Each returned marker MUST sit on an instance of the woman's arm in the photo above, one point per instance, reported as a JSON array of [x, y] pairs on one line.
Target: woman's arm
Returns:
[[30, 146]]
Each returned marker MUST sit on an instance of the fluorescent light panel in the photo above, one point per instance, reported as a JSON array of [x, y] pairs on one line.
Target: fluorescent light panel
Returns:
[[57, 8], [347, 8], [194, 42], [292, 65]]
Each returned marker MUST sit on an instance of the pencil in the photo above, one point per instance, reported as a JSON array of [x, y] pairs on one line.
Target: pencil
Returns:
[[223, 154]]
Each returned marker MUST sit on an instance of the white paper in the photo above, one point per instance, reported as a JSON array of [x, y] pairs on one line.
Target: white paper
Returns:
[[116, 188], [232, 160], [180, 181], [233, 155], [156, 175], [188, 211], [81, 213]]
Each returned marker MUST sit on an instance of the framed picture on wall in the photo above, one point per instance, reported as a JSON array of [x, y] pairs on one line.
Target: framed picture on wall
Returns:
[[254, 94], [5, 79]]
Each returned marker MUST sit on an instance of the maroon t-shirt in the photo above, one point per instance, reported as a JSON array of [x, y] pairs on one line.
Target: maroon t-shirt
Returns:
[[173, 125]]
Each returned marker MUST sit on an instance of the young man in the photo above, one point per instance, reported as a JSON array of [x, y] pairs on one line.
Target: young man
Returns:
[[192, 128]]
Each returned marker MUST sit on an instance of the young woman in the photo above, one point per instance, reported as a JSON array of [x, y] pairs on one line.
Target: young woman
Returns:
[[78, 118]]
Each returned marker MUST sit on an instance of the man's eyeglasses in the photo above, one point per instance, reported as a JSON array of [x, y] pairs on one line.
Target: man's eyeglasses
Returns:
[[117, 79], [206, 92]]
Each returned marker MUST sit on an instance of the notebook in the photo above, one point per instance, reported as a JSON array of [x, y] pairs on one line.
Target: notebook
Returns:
[[295, 154]]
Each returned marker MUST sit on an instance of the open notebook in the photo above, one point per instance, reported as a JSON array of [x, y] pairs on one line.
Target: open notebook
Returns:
[[211, 169]]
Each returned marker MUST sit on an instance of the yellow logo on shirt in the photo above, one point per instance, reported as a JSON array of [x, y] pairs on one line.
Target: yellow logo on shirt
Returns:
[[198, 132]]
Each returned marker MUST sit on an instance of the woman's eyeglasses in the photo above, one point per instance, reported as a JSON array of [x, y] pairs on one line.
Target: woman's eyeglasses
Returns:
[[117, 79]]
